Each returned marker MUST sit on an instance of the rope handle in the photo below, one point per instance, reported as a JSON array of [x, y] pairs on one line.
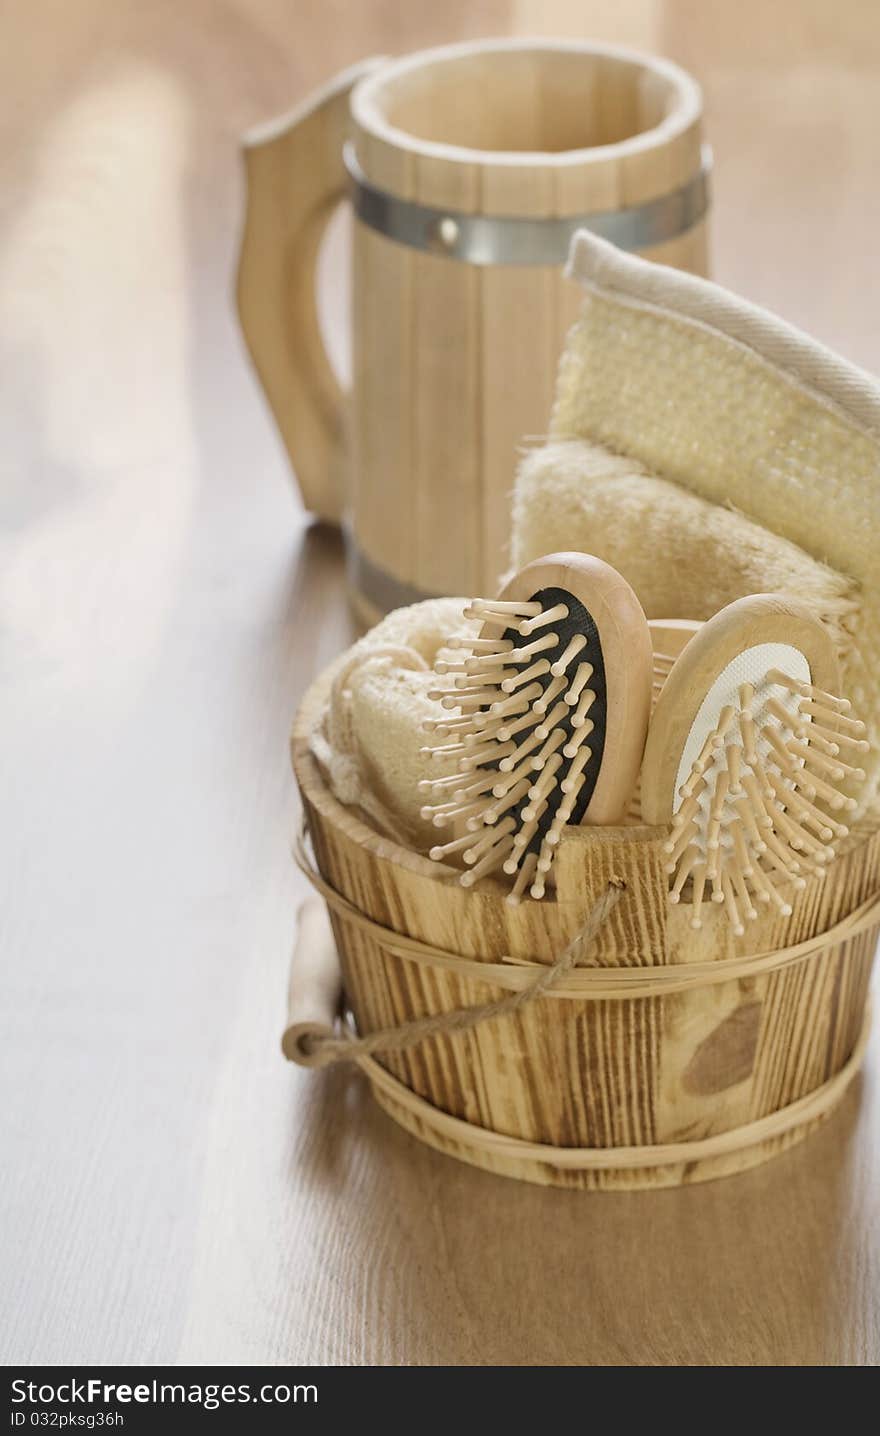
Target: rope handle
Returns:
[[315, 993]]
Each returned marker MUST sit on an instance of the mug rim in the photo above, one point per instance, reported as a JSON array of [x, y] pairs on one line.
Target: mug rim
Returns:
[[686, 110]]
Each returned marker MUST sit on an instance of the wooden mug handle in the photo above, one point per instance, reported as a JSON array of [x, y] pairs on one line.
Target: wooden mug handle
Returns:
[[314, 993], [295, 178]]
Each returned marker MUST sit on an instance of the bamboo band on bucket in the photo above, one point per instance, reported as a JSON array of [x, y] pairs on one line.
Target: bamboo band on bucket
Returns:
[[469, 1135], [321, 1050], [323, 1047], [586, 983]]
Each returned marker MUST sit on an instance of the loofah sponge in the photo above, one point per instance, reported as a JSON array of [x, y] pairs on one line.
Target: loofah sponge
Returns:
[[369, 738], [685, 557]]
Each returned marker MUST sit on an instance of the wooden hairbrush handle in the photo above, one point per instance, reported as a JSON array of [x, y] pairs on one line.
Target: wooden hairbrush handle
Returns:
[[750, 756], [545, 713], [759, 618]]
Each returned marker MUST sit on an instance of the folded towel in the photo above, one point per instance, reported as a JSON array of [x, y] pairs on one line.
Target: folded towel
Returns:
[[685, 557]]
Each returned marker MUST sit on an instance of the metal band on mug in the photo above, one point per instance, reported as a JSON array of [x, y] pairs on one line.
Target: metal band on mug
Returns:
[[376, 584], [517, 239]]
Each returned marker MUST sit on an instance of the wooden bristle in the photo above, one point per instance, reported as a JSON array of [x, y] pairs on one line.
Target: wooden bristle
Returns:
[[730, 903], [478, 677], [484, 753], [747, 731], [807, 690], [510, 729], [487, 609], [481, 645], [725, 718], [784, 716], [523, 878], [511, 799], [579, 736], [699, 886], [557, 614], [512, 760], [447, 849], [829, 716], [550, 720], [706, 757], [511, 682], [445, 814], [488, 864], [537, 645], [685, 868], [840, 741], [515, 725], [576, 767], [549, 746], [579, 682], [756, 812], [509, 780], [585, 703], [505, 706], [549, 695], [489, 838], [576, 645]]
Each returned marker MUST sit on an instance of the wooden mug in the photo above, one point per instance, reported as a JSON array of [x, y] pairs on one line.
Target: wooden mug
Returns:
[[469, 168]]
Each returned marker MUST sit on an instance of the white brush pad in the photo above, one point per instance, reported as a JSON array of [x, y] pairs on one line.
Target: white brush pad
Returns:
[[750, 666]]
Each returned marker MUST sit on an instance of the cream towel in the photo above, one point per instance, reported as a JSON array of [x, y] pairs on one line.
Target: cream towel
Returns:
[[684, 557], [700, 389]]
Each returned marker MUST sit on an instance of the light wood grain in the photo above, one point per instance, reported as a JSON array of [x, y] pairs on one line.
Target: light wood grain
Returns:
[[295, 180], [170, 1187]]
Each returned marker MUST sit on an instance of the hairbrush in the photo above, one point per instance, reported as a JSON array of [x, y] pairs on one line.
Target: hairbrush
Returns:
[[545, 713], [750, 756]]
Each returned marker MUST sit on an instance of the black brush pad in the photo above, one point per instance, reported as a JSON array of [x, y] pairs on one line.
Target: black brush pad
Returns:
[[579, 620]]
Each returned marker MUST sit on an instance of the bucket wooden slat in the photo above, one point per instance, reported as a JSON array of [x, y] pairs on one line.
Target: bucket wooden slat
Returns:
[[670, 1068]]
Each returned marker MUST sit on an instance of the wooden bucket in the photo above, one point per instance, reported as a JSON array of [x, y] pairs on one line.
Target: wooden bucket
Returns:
[[470, 167], [674, 1056]]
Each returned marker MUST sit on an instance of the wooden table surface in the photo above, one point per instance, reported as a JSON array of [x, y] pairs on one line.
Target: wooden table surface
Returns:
[[171, 1190]]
